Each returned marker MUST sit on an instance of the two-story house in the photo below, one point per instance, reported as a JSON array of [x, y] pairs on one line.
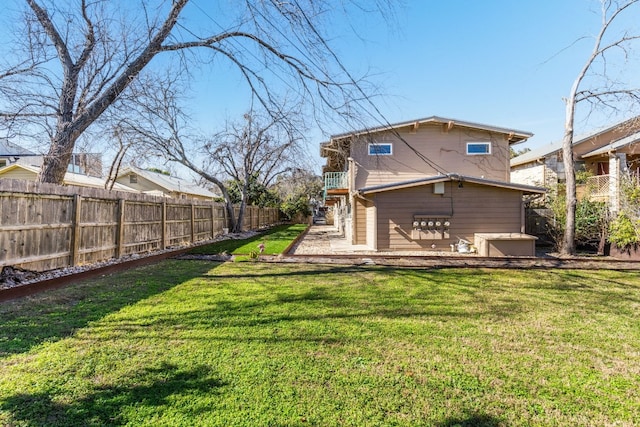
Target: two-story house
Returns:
[[426, 185], [605, 153]]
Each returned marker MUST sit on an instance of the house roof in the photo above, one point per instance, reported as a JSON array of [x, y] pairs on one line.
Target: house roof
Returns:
[[553, 147], [70, 178], [528, 189], [621, 143], [10, 149], [170, 183], [514, 134]]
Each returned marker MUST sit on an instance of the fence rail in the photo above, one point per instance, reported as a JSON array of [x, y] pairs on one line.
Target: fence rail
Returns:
[[45, 226]]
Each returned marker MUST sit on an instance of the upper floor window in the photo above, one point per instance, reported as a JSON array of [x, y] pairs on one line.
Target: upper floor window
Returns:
[[478, 148], [380, 149]]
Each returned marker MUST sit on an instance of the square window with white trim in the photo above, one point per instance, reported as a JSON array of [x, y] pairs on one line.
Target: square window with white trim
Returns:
[[380, 149], [478, 148]]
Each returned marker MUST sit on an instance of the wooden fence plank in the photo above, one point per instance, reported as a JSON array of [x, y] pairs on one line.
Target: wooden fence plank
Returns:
[[44, 226], [120, 229], [163, 238], [75, 234]]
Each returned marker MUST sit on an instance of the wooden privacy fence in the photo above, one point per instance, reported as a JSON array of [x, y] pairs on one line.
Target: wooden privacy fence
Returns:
[[45, 226]]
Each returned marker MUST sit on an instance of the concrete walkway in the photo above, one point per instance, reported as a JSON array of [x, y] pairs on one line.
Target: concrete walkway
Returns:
[[326, 240], [323, 244]]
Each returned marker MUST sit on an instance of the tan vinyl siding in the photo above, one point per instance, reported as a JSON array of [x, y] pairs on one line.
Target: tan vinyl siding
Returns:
[[141, 184], [470, 209], [447, 149], [20, 173], [360, 222]]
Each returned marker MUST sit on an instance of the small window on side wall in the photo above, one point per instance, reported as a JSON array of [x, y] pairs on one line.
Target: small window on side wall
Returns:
[[478, 148], [380, 149]]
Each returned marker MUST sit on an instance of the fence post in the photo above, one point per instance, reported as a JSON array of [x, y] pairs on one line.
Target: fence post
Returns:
[[163, 231], [120, 229], [212, 219], [193, 223], [75, 230]]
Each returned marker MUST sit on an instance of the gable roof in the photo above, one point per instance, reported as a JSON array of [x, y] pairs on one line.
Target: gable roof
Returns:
[[621, 143], [527, 189], [69, 178], [170, 183], [514, 135], [556, 146], [10, 149]]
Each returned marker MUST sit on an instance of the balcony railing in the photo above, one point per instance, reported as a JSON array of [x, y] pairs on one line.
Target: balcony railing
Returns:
[[598, 186], [335, 181]]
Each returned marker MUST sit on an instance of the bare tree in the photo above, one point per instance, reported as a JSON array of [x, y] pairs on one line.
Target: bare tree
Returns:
[[258, 148], [77, 58], [604, 90]]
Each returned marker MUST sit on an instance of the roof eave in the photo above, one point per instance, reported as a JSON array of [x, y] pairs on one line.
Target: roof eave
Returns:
[[515, 136], [528, 189]]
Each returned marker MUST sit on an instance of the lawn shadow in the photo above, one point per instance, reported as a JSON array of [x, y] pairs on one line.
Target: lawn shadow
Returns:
[[604, 294], [225, 305], [471, 420], [56, 314], [151, 387]]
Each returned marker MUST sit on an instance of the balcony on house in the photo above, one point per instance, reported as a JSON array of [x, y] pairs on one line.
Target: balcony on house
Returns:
[[597, 188], [336, 184]]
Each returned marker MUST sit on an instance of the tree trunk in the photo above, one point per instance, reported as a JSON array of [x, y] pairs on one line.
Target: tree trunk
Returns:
[[56, 162], [240, 220], [569, 239], [231, 215]]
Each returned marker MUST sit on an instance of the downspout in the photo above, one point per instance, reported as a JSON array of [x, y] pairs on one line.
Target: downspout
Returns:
[[523, 216], [351, 173]]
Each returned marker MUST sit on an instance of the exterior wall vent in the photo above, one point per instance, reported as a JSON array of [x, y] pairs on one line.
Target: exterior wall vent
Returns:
[[438, 188]]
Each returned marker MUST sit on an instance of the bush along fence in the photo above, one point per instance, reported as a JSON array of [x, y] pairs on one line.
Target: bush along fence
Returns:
[[46, 226]]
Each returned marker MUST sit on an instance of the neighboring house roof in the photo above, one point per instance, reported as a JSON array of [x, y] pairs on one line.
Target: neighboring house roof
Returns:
[[514, 134], [621, 143], [556, 146], [450, 177], [537, 153], [69, 178], [10, 149], [171, 183]]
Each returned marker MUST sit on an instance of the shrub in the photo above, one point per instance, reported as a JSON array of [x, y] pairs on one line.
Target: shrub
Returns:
[[623, 231], [294, 206], [625, 228], [591, 219]]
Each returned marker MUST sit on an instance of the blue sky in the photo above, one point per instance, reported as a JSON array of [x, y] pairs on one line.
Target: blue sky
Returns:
[[506, 63], [501, 62]]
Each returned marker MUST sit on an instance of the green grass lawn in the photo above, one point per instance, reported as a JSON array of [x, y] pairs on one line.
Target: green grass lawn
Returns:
[[275, 241], [237, 344]]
